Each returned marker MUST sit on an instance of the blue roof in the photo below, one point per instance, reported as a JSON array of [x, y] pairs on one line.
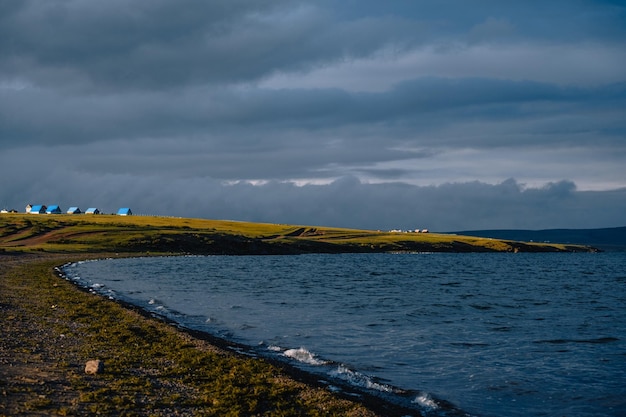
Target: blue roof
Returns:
[[92, 210], [124, 211], [53, 209], [38, 208]]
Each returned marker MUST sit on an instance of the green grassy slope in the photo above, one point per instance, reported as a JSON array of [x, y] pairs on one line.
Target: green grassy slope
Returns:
[[142, 234], [607, 239]]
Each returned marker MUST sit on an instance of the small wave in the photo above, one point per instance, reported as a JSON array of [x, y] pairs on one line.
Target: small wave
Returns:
[[599, 340], [481, 307], [469, 344], [358, 379], [304, 356], [426, 401], [501, 329]]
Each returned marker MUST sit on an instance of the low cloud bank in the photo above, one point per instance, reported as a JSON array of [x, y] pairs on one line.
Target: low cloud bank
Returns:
[[346, 202]]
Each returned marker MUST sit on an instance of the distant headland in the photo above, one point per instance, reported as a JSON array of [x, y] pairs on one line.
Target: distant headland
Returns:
[[121, 232]]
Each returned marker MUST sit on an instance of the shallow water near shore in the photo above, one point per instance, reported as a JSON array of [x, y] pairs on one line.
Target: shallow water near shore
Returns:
[[493, 334]]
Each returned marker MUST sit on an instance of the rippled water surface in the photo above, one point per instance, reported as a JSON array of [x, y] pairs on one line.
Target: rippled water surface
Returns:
[[494, 334]]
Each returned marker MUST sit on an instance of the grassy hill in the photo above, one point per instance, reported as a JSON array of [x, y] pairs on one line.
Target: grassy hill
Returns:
[[150, 234]]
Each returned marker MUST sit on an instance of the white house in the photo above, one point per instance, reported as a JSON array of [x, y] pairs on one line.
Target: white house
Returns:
[[92, 210], [74, 210], [37, 209], [54, 209], [125, 211]]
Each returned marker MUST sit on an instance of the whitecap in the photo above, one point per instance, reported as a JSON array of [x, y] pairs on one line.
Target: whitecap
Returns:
[[426, 401], [304, 356], [358, 379]]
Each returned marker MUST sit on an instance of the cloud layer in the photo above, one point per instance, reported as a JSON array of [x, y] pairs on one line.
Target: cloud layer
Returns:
[[363, 114]]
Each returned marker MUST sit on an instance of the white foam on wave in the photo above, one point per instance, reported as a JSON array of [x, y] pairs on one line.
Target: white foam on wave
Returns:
[[426, 401], [304, 356], [358, 379]]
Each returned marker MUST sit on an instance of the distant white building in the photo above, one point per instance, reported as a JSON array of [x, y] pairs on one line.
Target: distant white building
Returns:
[[92, 210], [125, 211], [54, 209], [74, 210], [37, 209]]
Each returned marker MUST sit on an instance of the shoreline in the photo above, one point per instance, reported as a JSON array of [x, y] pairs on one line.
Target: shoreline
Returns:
[[54, 326], [400, 402]]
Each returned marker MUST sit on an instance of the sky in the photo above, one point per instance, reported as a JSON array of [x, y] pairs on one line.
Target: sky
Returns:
[[402, 114]]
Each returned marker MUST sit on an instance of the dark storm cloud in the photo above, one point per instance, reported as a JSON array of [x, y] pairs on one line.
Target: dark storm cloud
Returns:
[[177, 105], [119, 45], [161, 44], [253, 119]]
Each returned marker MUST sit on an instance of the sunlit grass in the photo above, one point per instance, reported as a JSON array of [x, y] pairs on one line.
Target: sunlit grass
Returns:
[[111, 233]]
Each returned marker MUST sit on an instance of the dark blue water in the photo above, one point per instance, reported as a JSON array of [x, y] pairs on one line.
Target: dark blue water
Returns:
[[494, 334]]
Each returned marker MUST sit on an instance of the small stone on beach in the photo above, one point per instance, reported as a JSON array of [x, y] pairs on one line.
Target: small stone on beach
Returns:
[[94, 367]]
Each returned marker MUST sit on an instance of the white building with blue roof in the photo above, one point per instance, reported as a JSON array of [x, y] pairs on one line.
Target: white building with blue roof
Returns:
[[37, 209], [53, 209], [125, 211]]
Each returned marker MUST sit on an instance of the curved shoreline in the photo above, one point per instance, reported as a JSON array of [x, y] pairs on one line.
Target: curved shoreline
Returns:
[[54, 326], [397, 401]]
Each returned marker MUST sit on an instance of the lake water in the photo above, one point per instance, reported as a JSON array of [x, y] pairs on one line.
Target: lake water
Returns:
[[493, 334]]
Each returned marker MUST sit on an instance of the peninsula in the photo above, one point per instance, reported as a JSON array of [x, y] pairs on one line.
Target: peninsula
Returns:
[[167, 235], [51, 329]]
